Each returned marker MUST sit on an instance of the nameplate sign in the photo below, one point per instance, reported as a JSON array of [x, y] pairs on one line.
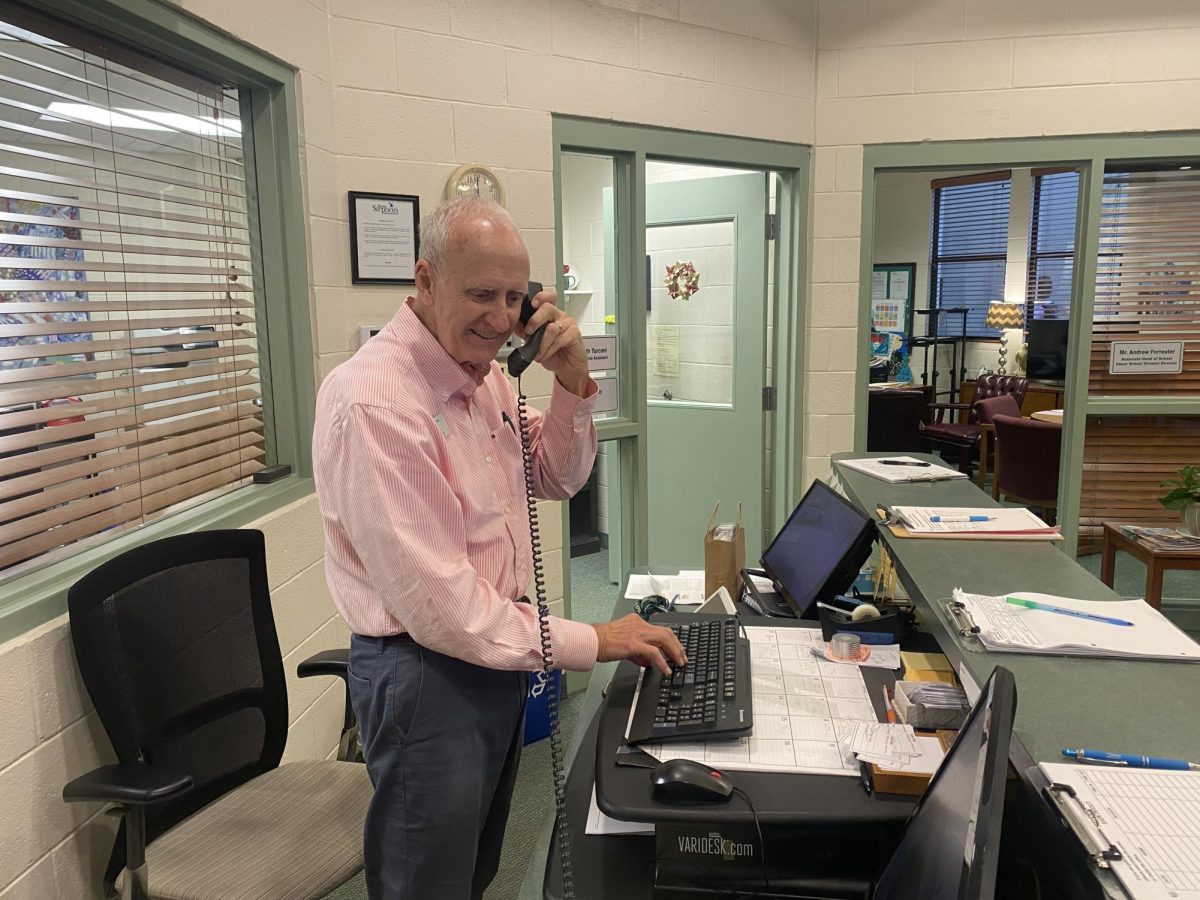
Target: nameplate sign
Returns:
[[606, 397], [601, 352], [1146, 358]]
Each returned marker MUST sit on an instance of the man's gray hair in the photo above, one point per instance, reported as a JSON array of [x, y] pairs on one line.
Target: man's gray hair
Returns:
[[437, 227]]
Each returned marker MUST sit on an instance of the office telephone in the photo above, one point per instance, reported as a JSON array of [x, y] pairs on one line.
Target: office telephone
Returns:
[[518, 361]]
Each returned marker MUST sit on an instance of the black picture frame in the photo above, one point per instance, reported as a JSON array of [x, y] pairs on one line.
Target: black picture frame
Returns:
[[368, 271]]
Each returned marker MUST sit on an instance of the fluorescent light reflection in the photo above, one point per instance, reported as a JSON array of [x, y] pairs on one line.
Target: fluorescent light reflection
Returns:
[[144, 119]]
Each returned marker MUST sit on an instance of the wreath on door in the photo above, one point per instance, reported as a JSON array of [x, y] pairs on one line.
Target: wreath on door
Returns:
[[682, 280]]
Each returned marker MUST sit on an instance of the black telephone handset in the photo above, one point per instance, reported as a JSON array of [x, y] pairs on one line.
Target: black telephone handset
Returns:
[[520, 358], [518, 361]]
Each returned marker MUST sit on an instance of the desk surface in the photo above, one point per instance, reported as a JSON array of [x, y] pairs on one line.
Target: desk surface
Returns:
[[1130, 706]]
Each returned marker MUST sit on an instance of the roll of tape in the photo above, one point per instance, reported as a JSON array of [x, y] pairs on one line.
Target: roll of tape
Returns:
[[864, 611]]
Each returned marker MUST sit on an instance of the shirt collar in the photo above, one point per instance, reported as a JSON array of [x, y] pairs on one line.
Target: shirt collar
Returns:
[[439, 368]]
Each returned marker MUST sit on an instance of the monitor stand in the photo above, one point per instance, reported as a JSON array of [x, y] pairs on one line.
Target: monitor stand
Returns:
[[770, 602]]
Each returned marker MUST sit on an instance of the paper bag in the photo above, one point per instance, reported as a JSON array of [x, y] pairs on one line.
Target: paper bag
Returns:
[[724, 553]]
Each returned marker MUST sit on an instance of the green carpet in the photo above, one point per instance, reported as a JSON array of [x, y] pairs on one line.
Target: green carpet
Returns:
[[592, 597]]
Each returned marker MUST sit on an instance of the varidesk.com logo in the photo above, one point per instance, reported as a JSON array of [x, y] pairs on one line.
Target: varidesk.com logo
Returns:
[[713, 844], [386, 209]]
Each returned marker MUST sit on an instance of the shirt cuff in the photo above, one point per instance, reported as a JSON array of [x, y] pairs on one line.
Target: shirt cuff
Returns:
[[575, 645], [578, 409]]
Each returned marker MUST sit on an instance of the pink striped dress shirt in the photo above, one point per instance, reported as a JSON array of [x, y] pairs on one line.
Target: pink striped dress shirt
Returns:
[[422, 495]]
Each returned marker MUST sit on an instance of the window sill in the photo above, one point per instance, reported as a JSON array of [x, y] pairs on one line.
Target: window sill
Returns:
[[37, 597]]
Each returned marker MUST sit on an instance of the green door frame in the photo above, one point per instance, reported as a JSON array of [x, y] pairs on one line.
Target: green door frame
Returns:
[[1090, 154], [630, 146]]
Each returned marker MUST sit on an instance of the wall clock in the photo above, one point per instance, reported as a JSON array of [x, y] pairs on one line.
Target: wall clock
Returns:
[[475, 180]]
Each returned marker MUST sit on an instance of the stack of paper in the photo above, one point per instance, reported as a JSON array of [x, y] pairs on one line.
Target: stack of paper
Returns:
[[895, 469], [888, 746], [1163, 538], [993, 520], [1004, 626], [935, 695], [688, 585]]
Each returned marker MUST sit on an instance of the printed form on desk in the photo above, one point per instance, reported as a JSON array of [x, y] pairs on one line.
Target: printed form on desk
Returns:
[[805, 711], [1151, 817], [688, 584]]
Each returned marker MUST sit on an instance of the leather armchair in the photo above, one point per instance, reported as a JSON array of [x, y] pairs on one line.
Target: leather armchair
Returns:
[[1027, 461], [965, 435]]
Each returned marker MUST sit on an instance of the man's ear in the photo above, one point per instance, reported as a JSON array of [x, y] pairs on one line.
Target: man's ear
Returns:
[[424, 278]]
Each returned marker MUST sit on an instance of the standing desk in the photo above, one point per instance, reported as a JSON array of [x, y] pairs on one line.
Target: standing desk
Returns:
[[1131, 706]]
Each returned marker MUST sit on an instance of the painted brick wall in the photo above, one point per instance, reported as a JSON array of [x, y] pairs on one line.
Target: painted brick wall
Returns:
[[964, 70]]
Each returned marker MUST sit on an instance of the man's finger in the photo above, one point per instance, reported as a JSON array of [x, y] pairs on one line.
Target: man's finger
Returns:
[[665, 639]]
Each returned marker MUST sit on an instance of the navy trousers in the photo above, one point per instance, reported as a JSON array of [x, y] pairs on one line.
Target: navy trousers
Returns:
[[441, 739]]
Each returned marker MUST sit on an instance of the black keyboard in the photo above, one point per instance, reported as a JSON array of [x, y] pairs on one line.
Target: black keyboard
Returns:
[[709, 697]]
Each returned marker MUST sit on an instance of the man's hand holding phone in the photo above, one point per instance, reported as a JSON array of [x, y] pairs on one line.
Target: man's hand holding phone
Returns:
[[561, 347]]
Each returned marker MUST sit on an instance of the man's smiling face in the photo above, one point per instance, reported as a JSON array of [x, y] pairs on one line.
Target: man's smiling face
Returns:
[[472, 302]]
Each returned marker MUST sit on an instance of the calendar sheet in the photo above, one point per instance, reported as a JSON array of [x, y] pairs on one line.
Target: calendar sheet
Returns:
[[804, 711]]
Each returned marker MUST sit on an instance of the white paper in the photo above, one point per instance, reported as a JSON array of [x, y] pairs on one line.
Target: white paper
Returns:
[[688, 584], [1152, 817], [880, 656], [899, 286], [803, 722], [1001, 520], [599, 823], [896, 474], [384, 232], [926, 762], [1004, 626], [878, 286]]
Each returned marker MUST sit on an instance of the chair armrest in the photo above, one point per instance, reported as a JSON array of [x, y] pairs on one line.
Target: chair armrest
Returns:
[[128, 784], [327, 662], [942, 407]]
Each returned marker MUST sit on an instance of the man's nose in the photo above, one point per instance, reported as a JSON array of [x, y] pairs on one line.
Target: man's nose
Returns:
[[498, 317]]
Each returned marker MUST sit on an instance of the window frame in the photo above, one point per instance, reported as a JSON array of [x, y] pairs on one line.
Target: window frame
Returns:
[[934, 302], [278, 250]]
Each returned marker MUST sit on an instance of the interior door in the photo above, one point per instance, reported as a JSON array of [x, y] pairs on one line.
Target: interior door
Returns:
[[705, 368]]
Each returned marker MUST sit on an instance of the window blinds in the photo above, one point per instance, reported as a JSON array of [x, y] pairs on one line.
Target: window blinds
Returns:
[[1052, 219], [128, 358], [1148, 274], [969, 243]]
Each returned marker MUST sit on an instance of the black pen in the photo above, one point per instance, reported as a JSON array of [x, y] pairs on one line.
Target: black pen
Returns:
[[509, 423], [901, 462], [864, 774]]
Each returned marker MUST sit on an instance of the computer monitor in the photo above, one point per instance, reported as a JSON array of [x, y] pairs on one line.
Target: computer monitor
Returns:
[[1048, 349], [819, 551], [951, 844]]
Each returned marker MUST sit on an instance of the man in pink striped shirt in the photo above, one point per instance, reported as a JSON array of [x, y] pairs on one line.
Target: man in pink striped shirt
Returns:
[[418, 470]]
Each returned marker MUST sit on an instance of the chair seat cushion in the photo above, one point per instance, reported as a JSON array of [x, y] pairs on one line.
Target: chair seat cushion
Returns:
[[952, 433], [293, 833]]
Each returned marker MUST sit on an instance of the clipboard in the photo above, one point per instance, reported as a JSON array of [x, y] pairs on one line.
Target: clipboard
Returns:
[[898, 530], [1084, 823]]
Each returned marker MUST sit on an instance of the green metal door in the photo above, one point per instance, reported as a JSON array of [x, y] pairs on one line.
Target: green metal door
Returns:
[[704, 361]]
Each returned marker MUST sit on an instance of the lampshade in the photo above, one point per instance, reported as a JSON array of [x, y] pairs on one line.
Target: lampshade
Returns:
[[1004, 315]]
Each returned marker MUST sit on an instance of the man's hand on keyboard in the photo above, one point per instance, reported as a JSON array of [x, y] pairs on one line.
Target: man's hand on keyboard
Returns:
[[632, 638]]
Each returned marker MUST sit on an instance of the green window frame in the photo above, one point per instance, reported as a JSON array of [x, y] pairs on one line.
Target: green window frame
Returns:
[[271, 136]]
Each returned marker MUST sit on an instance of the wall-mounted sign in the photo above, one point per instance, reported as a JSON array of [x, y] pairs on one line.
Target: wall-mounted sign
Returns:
[[606, 396], [1146, 358], [601, 352], [383, 238]]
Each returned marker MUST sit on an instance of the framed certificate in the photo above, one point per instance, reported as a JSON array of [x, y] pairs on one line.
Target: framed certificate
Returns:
[[383, 238]]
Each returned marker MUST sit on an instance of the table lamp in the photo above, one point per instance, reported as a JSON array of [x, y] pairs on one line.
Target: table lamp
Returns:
[[1003, 316]]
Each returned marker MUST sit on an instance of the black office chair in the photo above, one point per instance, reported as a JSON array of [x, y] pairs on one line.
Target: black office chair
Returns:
[[177, 646]]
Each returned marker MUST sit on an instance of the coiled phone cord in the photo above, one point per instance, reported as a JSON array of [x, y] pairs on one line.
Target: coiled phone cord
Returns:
[[543, 613]]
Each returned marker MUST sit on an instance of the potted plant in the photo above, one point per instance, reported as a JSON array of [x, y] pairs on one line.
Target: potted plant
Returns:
[[1185, 497]]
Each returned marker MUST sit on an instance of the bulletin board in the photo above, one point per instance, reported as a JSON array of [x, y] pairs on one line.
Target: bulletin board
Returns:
[[891, 321]]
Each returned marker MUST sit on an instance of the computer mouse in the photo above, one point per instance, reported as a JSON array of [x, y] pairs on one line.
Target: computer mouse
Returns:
[[684, 780]]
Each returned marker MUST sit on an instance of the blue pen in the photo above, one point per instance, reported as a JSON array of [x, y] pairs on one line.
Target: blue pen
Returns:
[[1130, 760], [1063, 611], [961, 518]]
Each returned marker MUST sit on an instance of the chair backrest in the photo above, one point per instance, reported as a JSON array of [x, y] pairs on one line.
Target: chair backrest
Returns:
[[894, 420], [177, 647], [1028, 454], [1000, 405], [993, 385]]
